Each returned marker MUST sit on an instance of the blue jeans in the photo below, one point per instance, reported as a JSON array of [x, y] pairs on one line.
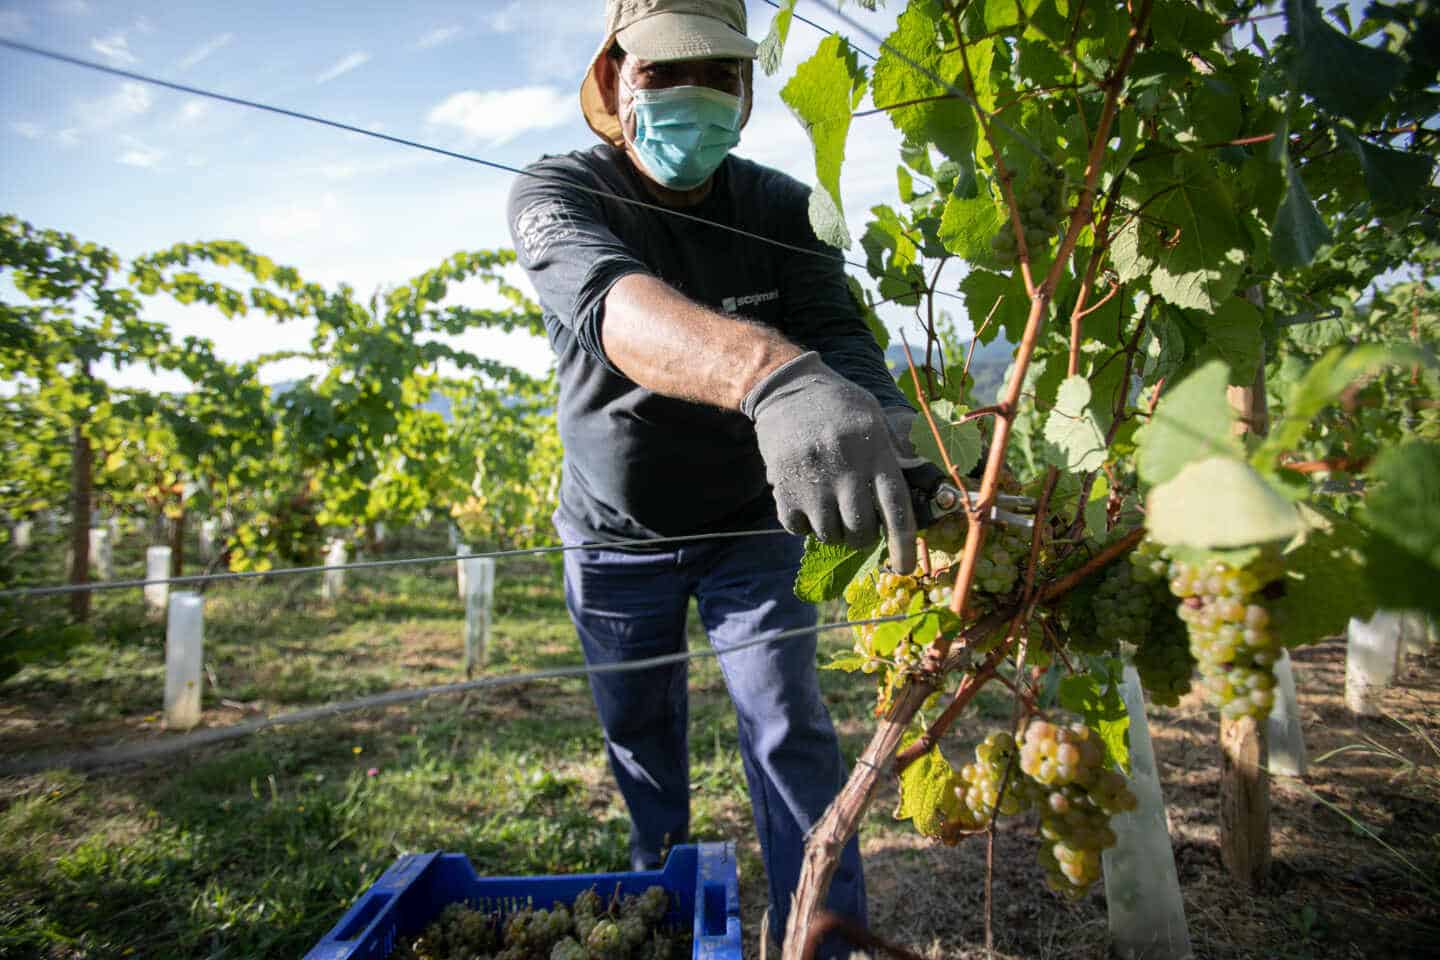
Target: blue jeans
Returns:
[[629, 606]]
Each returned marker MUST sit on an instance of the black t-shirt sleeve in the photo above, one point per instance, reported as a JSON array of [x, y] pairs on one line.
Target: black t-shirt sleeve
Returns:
[[564, 244], [820, 312]]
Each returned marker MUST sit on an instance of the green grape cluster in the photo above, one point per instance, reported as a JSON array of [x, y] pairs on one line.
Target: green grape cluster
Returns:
[[1163, 659], [981, 783], [946, 534], [998, 568], [1122, 606], [1058, 771], [1230, 633], [631, 929], [1039, 199], [1079, 797]]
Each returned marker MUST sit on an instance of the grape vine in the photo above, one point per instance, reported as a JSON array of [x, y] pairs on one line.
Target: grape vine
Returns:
[[1160, 214]]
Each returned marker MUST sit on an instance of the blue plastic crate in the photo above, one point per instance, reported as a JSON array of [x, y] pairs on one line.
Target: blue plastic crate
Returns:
[[700, 878]]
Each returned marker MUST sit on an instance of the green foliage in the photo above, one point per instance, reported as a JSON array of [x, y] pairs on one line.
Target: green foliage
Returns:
[[822, 95], [927, 791], [828, 567], [1096, 697], [961, 439], [1403, 517]]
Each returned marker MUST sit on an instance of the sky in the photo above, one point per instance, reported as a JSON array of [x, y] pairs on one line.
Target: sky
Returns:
[[138, 168]]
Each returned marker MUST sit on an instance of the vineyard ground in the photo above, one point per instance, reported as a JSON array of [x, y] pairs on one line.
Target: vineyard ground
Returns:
[[255, 848]]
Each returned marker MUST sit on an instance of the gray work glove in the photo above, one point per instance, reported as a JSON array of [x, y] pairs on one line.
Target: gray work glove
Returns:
[[830, 456]]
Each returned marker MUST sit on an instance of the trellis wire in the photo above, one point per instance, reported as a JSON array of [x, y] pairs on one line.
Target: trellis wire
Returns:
[[418, 145], [90, 759], [91, 587]]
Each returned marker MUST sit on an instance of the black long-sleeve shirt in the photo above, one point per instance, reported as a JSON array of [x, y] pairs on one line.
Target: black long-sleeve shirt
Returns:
[[639, 465]]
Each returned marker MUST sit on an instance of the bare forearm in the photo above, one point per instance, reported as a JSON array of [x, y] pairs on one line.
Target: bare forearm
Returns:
[[667, 343]]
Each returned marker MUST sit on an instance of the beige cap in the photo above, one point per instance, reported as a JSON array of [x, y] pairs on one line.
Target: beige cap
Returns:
[[664, 30]]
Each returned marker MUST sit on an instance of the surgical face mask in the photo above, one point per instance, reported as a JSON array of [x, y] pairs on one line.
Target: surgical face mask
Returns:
[[682, 134]]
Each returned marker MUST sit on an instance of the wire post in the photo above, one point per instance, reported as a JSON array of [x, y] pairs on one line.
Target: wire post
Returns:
[[184, 656], [102, 556], [157, 568], [1142, 887], [336, 555], [479, 576], [1371, 651], [462, 550], [20, 535], [1287, 738], [209, 533]]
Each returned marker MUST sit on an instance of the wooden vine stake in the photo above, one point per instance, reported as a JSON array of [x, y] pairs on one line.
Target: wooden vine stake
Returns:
[[1244, 756]]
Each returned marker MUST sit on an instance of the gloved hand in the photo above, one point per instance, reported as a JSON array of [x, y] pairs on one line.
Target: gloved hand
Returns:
[[921, 475], [829, 454]]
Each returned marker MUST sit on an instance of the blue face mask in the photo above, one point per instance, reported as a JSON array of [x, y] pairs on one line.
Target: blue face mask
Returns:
[[682, 134]]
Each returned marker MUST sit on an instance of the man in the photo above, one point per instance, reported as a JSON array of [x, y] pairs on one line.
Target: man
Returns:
[[710, 382]]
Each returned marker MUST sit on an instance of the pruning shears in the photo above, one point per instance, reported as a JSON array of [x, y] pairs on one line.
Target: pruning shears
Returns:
[[933, 496]]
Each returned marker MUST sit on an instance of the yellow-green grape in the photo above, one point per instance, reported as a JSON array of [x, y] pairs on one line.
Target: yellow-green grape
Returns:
[[981, 782], [1039, 200], [1059, 755], [1230, 634], [1076, 808]]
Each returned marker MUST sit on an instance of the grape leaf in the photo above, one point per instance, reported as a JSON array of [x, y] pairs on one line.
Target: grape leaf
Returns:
[[949, 123], [1321, 385], [822, 94], [826, 568], [772, 48], [1297, 233], [1343, 76], [1393, 177], [849, 662], [1071, 428], [1220, 502], [927, 791], [1193, 421], [1103, 709], [1325, 580], [1189, 246], [1402, 513], [962, 440], [983, 289], [1233, 334], [968, 224]]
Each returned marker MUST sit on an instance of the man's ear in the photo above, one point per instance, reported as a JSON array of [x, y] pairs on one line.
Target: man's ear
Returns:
[[606, 80]]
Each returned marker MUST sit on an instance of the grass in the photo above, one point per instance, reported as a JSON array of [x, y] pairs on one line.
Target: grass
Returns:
[[255, 848]]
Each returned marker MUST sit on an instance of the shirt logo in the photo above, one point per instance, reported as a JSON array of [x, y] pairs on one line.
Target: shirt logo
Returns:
[[732, 304], [542, 225]]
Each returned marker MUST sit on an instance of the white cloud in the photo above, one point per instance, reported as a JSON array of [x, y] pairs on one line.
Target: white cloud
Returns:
[[499, 116], [13, 23], [139, 155], [115, 47], [30, 131], [193, 112], [143, 25], [205, 50], [68, 137], [437, 36], [74, 8], [344, 66]]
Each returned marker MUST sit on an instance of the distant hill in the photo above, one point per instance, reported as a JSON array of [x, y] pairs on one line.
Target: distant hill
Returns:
[[988, 367]]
